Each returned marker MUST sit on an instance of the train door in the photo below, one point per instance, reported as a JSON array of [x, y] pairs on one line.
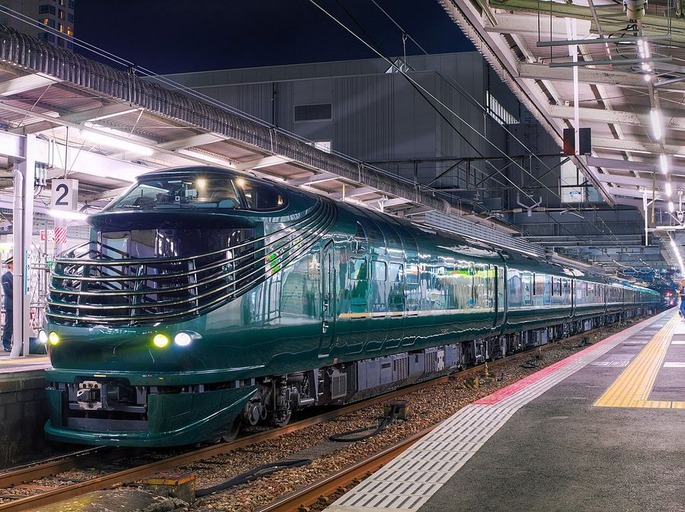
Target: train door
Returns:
[[500, 297], [328, 299]]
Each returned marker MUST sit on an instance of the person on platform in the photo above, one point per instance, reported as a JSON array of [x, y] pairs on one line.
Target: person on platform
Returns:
[[681, 294], [9, 305]]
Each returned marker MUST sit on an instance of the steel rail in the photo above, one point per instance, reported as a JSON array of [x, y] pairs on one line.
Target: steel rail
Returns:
[[323, 489], [140, 472]]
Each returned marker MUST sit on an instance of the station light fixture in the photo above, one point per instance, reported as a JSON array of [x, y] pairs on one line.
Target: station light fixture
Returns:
[[115, 141], [663, 163], [67, 215], [655, 116]]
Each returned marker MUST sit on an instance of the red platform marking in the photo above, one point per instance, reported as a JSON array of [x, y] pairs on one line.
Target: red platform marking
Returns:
[[506, 392]]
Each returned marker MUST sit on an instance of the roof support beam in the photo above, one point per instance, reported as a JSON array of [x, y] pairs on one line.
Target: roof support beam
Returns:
[[26, 83], [587, 75], [262, 162]]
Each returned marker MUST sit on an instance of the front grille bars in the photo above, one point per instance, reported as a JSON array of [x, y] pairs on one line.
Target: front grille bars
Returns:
[[91, 289]]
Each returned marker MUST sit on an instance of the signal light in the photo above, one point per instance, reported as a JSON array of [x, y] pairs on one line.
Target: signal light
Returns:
[[160, 340], [183, 339]]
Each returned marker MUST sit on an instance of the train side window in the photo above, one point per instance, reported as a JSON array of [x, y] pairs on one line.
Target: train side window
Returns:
[[395, 273], [396, 297], [360, 239], [357, 270], [515, 289], [379, 271], [526, 289]]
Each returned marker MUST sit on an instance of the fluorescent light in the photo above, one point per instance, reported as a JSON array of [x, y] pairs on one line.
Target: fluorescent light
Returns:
[[116, 142], [667, 189], [663, 163], [68, 215], [206, 158], [655, 116], [671, 208], [643, 49]]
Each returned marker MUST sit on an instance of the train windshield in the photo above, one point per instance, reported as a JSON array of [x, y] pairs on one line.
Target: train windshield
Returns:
[[197, 191]]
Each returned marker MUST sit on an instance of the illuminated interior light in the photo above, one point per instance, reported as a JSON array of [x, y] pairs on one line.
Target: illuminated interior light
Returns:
[[160, 340], [663, 163], [671, 207], [643, 49], [53, 338], [668, 190], [655, 116], [201, 183]]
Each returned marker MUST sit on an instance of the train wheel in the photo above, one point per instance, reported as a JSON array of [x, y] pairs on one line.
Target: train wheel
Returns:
[[281, 418], [232, 433]]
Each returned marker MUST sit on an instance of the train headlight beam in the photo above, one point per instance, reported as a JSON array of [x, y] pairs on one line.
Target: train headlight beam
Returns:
[[185, 338], [53, 338], [160, 340]]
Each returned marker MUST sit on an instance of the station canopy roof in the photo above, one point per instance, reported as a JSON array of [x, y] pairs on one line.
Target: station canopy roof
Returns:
[[580, 64]]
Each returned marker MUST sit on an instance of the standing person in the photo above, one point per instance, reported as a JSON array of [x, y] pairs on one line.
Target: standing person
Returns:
[[681, 294], [9, 305]]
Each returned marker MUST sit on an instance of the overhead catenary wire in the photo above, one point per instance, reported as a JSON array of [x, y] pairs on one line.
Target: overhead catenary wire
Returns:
[[426, 94], [429, 97]]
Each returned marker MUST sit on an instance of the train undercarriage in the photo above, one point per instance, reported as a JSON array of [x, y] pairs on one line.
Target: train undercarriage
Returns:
[[278, 397], [112, 405]]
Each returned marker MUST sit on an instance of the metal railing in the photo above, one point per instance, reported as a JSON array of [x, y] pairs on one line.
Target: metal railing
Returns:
[[98, 285]]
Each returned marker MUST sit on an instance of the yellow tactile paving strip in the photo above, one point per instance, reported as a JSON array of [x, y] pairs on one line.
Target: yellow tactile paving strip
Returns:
[[633, 386]]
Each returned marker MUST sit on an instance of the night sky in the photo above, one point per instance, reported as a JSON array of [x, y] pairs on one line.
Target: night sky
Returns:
[[168, 36]]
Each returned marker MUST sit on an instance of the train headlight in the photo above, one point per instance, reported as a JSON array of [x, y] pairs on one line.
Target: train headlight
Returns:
[[185, 338], [53, 338], [42, 336], [160, 340]]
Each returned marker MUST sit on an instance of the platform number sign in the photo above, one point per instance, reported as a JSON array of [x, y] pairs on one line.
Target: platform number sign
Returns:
[[64, 195]]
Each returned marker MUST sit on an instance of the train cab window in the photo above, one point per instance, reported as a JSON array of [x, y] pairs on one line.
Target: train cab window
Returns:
[[179, 192], [260, 196]]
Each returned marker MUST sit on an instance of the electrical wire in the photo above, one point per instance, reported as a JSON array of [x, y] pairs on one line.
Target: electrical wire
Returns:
[[427, 95]]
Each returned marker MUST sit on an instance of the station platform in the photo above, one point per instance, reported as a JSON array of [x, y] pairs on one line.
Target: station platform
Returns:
[[10, 366], [603, 430]]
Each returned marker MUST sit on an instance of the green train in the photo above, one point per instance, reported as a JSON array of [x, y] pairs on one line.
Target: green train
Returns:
[[206, 299]]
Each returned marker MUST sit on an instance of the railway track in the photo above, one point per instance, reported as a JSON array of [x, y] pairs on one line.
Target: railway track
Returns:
[[96, 457], [329, 485], [319, 492]]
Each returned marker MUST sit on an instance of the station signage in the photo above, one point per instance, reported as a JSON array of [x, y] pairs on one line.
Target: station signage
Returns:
[[64, 194]]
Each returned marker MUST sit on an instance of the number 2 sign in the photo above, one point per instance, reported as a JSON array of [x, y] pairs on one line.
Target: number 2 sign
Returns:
[[64, 195]]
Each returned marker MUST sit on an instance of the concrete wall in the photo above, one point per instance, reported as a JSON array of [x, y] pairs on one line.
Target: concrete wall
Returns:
[[23, 412]]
